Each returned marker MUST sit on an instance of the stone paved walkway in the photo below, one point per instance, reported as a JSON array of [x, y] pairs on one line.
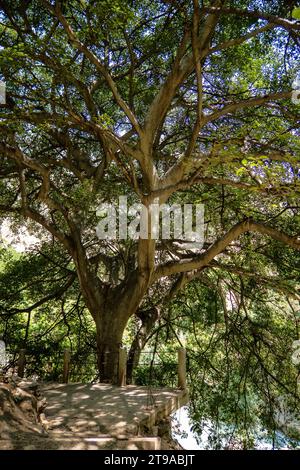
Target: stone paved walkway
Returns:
[[99, 417], [93, 409]]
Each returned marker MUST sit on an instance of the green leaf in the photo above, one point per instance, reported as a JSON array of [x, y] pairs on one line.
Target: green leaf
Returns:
[[296, 13]]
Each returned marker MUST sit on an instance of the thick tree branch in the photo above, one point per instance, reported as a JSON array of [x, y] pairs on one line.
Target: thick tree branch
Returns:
[[284, 23], [182, 67], [198, 70], [251, 102], [241, 39]]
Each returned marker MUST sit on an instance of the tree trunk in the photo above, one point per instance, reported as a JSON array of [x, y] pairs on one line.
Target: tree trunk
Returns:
[[109, 340], [111, 307], [109, 333]]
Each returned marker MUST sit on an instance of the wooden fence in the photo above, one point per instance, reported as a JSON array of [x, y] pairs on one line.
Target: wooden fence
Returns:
[[122, 366]]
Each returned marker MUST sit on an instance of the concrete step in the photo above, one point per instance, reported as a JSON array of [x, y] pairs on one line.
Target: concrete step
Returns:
[[79, 443]]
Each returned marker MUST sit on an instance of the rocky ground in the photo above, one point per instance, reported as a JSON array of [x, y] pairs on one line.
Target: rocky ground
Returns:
[[21, 409]]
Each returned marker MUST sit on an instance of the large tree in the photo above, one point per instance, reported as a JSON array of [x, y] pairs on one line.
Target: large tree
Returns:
[[180, 101]]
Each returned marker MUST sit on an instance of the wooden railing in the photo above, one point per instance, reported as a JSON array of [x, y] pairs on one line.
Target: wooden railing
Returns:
[[122, 369]]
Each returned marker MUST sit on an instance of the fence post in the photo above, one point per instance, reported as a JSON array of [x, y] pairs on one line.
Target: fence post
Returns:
[[21, 362], [122, 367], [67, 358], [2, 354], [182, 368]]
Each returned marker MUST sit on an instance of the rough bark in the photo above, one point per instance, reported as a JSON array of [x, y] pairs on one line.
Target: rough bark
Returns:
[[110, 326], [111, 307]]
